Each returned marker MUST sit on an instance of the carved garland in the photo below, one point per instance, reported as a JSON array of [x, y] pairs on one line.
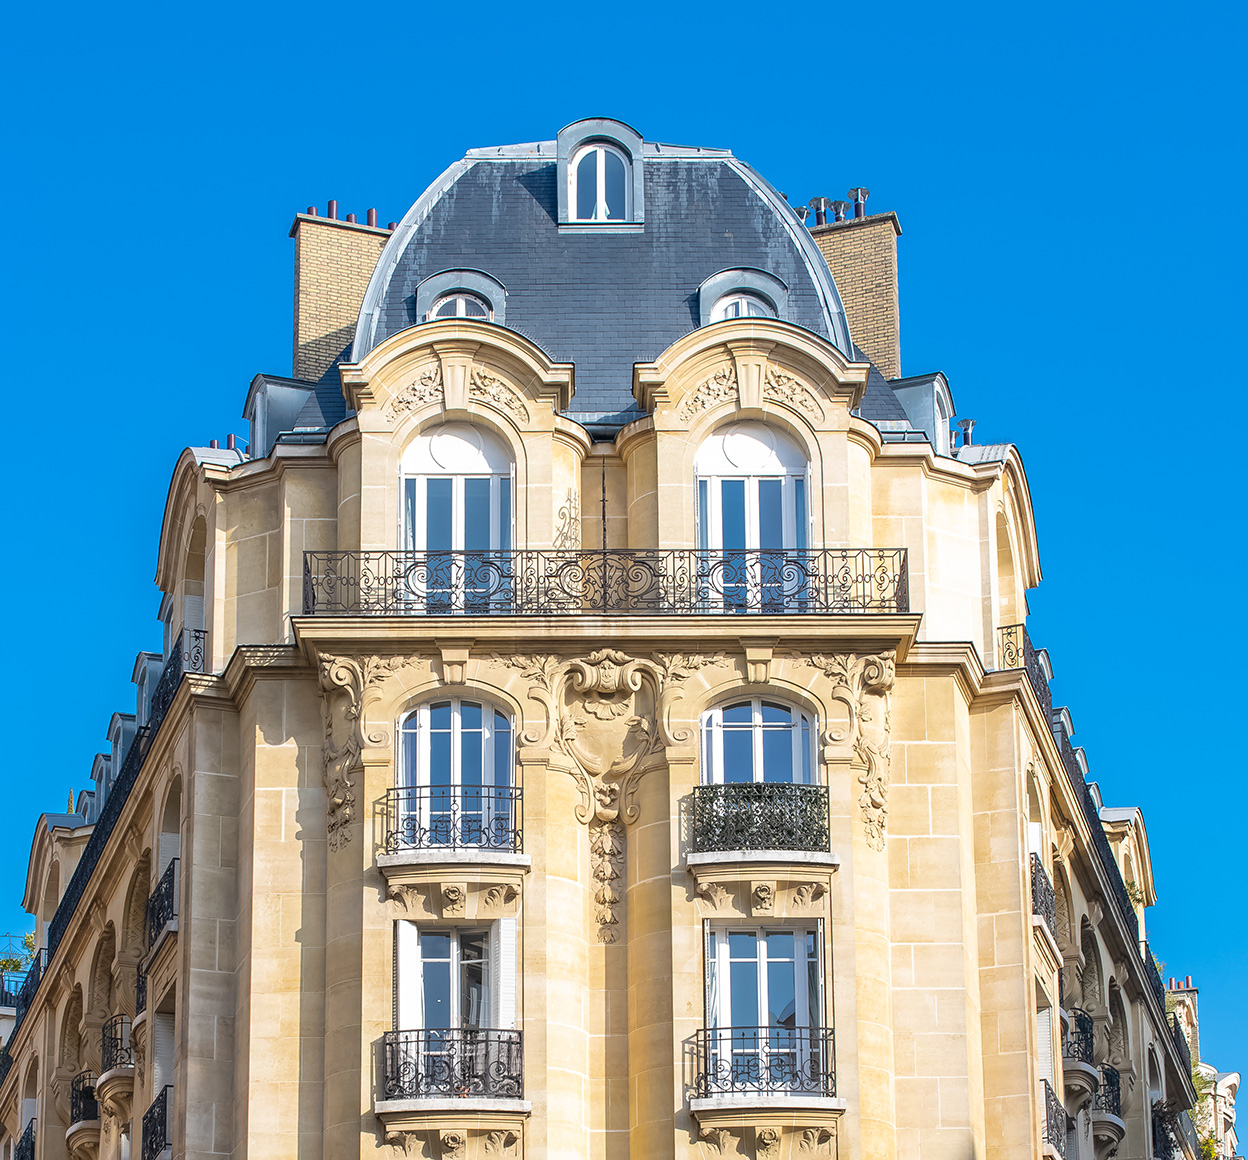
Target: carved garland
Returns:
[[864, 684], [426, 387], [718, 387], [782, 388]]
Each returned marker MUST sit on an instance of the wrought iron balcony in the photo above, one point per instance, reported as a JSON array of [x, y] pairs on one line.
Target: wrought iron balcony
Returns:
[[162, 906], [466, 1062], [1043, 898], [1180, 1042], [1078, 1043], [115, 1049], [25, 1149], [10, 984], [26, 992], [454, 817], [140, 991], [1055, 1120], [759, 816], [6, 1063], [1108, 1098], [654, 582], [767, 1061], [1015, 651], [1163, 1141], [83, 1107], [187, 656], [156, 1134]]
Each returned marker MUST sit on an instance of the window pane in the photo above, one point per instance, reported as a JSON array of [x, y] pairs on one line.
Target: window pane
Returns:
[[474, 309], [781, 981], [502, 751], [778, 755], [474, 995], [471, 739], [813, 989], [704, 515], [439, 750], [411, 751], [587, 185], [743, 979], [738, 755], [770, 514], [616, 176], [504, 514], [446, 309], [438, 515], [409, 512], [477, 514], [799, 497], [756, 309], [741, 714], [435, 950], [732, 501]]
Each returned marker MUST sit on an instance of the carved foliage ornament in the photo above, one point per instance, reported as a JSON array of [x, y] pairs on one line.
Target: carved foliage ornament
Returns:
[[719, 386], [864, 685], [426, 387], [782, 388], [349, 682], [483, 385]]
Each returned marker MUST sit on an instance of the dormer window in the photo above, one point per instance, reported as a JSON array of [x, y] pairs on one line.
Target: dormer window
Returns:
[[460, 305], [742, 306], [599, 176]]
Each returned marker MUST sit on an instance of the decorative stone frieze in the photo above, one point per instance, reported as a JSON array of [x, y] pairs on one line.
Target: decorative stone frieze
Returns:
[[425, 387], [715, 388], [782, 388], [483, 385]]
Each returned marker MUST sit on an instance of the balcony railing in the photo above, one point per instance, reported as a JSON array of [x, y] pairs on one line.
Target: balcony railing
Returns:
[[140, 991], [462, 1062], [1108, 1098], [1180, 1042], [10, 984], [1015, 651], [536, 582], [765, 1061], [1055, 1120], [83, 1107], [1043, 898], [454, 817], [759, 816], [1079, 1040], [115, 1049], [25, 1149], [189, 658], [162, 906], [1163, 1142], [26, 992], [156, 1134], [6, 1062]]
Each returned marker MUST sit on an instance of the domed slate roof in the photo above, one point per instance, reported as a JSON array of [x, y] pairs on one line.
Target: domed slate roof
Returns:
[[600, 298]]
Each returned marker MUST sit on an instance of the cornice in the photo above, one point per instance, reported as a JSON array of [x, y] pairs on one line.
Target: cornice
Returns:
[[956, 659]]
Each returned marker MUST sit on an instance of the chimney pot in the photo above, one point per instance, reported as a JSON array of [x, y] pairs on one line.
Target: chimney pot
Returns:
[[351, 218], [229, 442], [392, 225], [371, 217], [332, 213], [858, 195], [1189, 982], [967, 425], [214, 444], [839, 210], [312, 211]]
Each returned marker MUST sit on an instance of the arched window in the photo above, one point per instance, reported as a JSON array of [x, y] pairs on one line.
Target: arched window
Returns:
[[454, 779], [460, 304], [457, 520], [752, 518], [742, 305], [756, 741], [600, 183]]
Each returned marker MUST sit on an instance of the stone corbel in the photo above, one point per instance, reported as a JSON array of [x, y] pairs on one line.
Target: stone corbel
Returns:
[[454, 899], [767, 1141], [406, 901], [808, 895], [501, 1142], [750, 361], [452, 1144], [758, 659], [817, 1139], [455, 359], [762, 898]]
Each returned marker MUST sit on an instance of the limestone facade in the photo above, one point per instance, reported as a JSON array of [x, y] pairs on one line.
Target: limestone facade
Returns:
[[925, 941]]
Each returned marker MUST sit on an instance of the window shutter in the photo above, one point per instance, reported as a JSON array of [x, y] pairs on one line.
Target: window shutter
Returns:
[[192, 616], [162, 1050], [407, 991], [712, 989], [1044, 1027], [503, 974]]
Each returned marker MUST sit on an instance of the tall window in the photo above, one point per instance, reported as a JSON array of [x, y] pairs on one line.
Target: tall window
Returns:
[[600, 183], [752, 517], [764, 1007], [455, 769], [756, 741], [457, 519]]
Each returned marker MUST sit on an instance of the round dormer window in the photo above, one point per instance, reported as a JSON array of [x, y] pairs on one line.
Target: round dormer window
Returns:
[[742, 306], [460, 305]]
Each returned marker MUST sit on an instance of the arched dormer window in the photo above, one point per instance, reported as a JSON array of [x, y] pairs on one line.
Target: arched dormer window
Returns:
[[457, 519], [752, 517], [460, 294], [742, 305], [600, 181], [460, 304], [741, 293]]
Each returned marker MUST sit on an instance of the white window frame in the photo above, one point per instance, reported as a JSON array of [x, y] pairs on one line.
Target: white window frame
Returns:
[[719, 311], [600, 183], [409, 990], [802, 731], [460, 298]]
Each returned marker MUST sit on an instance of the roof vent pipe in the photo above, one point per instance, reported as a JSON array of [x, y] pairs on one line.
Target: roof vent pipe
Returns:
[[312, 211], [332, 213], [214, 444], [820, 206], [392, 225], [967, 425], [371, 218], [858, 195], [802, 212], [229, 443], [839, 210], [351, 218]]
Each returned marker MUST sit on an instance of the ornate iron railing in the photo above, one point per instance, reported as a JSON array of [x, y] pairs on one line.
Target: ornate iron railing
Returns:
[[1108, 1098], [1153, 975], [759, 816], [476, 1062], [1187, 1130], [451, 817], [1055, 1120], [1043, 898], [538, 582], [83, 1107], [156, 1134], [30, 984], [162, 906], [1163, 1140], [115, 1049], [187, 659], [10, 984], [1079, 1040], [6, 1063], [140, 991], [25, 1149], [765, 1061], [1015, 651], [1180, 1042]]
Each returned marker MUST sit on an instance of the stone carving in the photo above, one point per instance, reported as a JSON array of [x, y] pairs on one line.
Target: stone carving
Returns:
[[500, 897], [812, 1139], [766, 1141], [406, 899], [864, 684], [403, 1145], [715, 1140], [782, 388], [454, 901], [719, 386], [348, 683], [568, 527], [426, 387], [714, 893], [484, 385], [763, 897], [807, 894], [453, 1144], [501, 1142], [606, 856]]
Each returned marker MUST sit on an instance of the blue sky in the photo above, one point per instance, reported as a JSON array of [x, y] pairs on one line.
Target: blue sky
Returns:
[[1069, 183]]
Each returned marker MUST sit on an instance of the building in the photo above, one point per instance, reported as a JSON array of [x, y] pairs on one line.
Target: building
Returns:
[[1213, 1118], [596, 719]]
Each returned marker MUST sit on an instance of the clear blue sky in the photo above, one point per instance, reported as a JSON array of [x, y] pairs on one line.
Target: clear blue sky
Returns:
[[1070, 183]]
